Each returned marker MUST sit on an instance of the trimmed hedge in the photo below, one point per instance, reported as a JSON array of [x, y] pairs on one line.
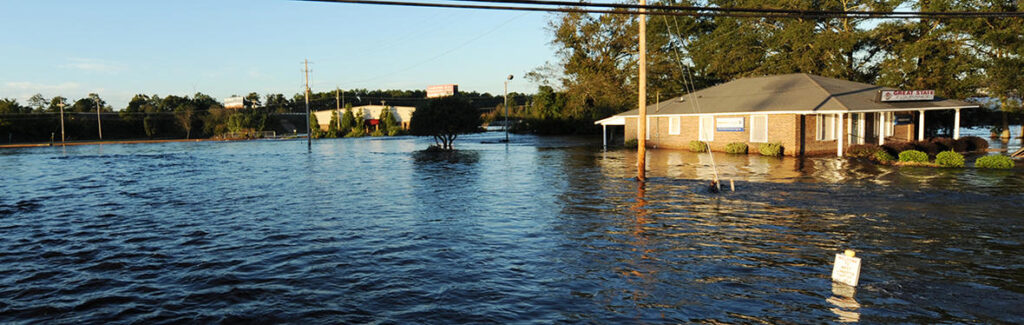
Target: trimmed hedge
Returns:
[[994, 161], [913, 156], [736, 147], [697, 146], [949, 159], [773, 149], [883, 157], [863, 151], [895, 148], [973, 143]]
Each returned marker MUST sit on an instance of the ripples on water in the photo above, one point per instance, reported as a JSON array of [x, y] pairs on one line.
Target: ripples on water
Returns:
[[544, 230]]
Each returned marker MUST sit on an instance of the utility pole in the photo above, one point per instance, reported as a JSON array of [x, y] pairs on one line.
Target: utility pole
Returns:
[[61, 105], [337, 104], [641, 130], [309, 130], [506, 106], [98, 122]]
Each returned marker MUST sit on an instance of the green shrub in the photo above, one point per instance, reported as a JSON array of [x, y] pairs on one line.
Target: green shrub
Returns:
[[631, 143], [949, 159], [913, 156], [773, 149], [863, 150], [994, 161], [355, 133], [395, 132], [697, 146], [895, 148], [736, 147], [377, 133], [883, 157]]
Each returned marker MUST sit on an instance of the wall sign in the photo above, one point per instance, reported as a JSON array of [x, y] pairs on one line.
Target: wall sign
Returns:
[[904, 119], [729, 124], [906, 95]]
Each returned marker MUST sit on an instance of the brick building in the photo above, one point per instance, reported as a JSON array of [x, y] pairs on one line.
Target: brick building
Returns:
[[808, 114]]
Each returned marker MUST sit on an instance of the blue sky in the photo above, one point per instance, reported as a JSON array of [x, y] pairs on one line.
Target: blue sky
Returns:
[[121, 48]]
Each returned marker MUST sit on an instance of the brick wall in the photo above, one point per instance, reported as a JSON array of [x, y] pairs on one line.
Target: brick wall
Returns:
[[781, 128]]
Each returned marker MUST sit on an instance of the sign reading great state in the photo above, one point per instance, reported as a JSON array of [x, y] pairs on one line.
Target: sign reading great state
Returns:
[[907, 95]]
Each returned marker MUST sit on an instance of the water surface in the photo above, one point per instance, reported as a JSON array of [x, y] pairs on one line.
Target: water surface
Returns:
[[542, 230]]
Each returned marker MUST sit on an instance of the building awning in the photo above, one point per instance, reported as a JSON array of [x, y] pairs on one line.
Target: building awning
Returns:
[[614, 120]]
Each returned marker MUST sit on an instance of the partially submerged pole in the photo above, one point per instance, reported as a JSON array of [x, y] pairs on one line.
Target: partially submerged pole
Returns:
[[641, 130], [309, 129]]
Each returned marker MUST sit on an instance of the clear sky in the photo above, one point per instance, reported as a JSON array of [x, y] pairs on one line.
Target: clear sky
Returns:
[[226, 47]]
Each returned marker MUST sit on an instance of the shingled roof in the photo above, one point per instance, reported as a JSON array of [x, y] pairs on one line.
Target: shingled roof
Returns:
[[798, 93]]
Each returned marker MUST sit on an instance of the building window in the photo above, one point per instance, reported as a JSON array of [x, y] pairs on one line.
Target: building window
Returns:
[[707, 128], [673, 125], [826, 127], [759, 128]]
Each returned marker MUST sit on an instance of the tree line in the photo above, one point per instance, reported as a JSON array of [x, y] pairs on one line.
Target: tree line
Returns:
[[595, 74], [201, 116]]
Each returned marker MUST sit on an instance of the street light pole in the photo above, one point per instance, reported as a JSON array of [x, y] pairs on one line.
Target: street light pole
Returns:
[[506, 106], [61, 105], [99, 123]]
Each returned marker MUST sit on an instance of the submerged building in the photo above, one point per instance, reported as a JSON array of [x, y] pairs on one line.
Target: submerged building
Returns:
[[808, 114]]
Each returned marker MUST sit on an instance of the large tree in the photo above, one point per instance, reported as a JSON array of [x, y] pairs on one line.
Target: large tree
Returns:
[[444, 119]]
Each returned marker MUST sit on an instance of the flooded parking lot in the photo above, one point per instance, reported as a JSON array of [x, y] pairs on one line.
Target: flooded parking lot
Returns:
[[541, 230]]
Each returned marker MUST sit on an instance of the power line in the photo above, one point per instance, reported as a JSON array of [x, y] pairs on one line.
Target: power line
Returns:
[[573, 7]]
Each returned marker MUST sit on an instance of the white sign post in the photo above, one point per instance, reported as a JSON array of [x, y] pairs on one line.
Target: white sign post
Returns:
[[846, 269]]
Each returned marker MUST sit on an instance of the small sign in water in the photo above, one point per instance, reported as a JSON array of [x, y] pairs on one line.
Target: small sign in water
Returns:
[[846, 269]]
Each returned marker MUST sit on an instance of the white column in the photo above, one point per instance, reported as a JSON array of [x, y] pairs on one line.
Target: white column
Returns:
[[839, 137], [849, 127], [860, 128], [604, 135], [956, 125], [881, 128], [920, 126]]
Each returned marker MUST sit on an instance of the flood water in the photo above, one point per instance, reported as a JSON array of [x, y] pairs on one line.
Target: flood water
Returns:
[[543, 230]]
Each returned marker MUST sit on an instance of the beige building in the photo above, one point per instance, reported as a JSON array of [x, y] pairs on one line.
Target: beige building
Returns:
[[402, 114], [808, 114]]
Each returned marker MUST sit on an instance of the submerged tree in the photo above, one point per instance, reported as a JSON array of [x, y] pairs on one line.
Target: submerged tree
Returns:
[[444, 119]]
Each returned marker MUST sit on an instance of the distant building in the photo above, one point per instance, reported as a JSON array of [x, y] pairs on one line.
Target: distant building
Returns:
[[442, 90], [808, 114], [234, 102], [402, 115]]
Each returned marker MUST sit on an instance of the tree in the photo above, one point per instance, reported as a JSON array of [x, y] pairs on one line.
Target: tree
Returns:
[[253, 99], [444, 119], [314, 127], [37, 102], [55, 103], [184, 113], [348, 120], [387, 120]]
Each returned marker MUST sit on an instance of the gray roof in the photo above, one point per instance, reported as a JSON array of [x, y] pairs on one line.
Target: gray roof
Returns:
[[796, 92]]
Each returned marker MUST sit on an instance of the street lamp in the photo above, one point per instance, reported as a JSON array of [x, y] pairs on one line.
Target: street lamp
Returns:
[[506, 106]]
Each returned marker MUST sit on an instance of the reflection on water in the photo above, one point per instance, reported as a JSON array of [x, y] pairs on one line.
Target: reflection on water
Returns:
[[846, 306], [541, 230]]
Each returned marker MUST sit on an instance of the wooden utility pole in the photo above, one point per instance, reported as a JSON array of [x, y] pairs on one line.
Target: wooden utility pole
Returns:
[[641, 130], [61, 105], [309, 130], [98, 122], [337, 104]]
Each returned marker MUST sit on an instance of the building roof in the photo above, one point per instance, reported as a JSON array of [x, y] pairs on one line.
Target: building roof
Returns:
[[798, 93]]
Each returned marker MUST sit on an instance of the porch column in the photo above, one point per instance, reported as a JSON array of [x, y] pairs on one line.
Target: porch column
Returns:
[[956, 125], [860, 128], [839, 137], [881, 128], [920, 126], [604, 136], [849, 129]]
